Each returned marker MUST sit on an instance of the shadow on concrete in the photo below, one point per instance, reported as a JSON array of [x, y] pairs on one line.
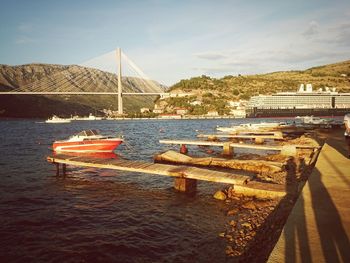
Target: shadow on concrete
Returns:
[[334, 240], [331, 233], [296, 232]]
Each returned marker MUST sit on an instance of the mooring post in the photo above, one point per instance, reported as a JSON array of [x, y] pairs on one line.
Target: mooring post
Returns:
[[183, 149], [185, 185]]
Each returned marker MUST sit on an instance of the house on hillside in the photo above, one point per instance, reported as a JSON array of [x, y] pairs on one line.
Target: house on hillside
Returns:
[[196, 102], [144, 110], [238, 113], [180, 111], [212, 113], [158, 111]]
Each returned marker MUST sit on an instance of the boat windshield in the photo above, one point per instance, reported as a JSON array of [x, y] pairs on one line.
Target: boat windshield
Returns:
[[88, 133]]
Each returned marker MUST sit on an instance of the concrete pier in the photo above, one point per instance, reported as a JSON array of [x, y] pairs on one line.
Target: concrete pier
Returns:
[[318, 228]]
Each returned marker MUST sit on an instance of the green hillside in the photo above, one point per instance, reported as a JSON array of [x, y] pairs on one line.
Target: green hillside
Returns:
[[214, 92]]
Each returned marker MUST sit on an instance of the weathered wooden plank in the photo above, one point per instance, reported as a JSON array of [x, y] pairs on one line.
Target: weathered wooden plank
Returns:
[[161, 169], [221, 144], [235, 145], [238, 136]]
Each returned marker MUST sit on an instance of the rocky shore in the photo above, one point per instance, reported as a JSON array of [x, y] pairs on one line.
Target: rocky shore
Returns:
[[254, 224]]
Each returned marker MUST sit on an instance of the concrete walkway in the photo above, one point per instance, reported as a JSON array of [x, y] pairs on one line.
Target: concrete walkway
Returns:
[[318, 228]]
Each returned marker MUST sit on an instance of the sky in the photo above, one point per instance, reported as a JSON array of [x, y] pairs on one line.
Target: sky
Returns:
[[179, 39]]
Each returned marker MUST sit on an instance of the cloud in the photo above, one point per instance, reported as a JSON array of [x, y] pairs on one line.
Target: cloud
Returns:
[[342, 34], [25, 27], [210, 55], [312, 30], [24, 40]]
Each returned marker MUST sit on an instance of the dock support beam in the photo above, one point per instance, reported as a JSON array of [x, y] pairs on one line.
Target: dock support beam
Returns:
[[227, 149], [57, 169], [259, 140], [185, 185], [64, 169]]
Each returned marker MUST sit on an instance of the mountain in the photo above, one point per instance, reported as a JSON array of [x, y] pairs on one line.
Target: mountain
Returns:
[[48, 77], [214, 93]]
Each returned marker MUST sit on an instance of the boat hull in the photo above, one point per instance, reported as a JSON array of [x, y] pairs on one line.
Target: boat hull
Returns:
[[87, 146]]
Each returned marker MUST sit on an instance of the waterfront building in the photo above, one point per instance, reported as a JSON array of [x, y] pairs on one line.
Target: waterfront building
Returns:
[[323, 102], [144, 110]]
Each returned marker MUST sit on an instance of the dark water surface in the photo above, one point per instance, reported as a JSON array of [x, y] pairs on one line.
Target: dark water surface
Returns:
[[97, 215]]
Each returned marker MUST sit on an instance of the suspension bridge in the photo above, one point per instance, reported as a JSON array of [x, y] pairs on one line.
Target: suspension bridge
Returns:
[[97, 76]]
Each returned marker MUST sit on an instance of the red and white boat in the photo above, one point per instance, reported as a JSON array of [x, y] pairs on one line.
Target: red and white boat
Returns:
[[88, 141]]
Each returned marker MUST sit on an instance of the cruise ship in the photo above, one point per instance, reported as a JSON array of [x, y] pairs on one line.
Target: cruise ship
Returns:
[[305, 101]]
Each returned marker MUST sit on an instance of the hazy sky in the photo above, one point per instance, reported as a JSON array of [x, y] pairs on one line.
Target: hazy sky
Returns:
[[172, 40]]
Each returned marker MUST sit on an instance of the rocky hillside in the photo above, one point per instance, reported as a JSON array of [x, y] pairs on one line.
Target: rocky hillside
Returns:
[[45, 77], [213, 93]]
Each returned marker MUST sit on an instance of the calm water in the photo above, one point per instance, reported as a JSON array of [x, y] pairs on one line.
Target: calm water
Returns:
[[101, 215]]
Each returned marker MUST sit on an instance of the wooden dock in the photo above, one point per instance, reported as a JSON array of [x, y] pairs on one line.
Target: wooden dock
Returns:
[[185, 176], [241, 136], [288, 150]]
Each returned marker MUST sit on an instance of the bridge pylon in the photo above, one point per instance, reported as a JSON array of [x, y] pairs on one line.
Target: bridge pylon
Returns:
[[120, 98]]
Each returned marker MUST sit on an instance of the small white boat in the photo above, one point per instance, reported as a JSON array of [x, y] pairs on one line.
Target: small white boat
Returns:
[[313, 120], [55, 119], [90, 118], [252, 126]]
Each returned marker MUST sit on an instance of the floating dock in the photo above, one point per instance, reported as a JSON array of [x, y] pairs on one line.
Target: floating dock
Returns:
[[185, 176]]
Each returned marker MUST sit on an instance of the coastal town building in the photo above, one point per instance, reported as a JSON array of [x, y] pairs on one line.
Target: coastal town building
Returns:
[[196, 102], [181, 111], [212, 113], [238, 113], [158, 111], [144, 110]]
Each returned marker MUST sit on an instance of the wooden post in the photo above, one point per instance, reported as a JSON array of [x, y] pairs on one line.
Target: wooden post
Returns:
[[57, 169], [185, 185], [64, 168], [227, 149]]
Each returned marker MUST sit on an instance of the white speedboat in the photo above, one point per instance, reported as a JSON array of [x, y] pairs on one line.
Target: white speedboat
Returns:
[[55, 119]]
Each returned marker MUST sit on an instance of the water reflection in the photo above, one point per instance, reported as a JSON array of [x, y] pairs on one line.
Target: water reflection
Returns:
[[97, 155]]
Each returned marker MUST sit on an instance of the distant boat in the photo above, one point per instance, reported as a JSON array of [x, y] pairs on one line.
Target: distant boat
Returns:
[[252, 126], [55, 119], [88, 141], [313, 120], [90, 118]]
